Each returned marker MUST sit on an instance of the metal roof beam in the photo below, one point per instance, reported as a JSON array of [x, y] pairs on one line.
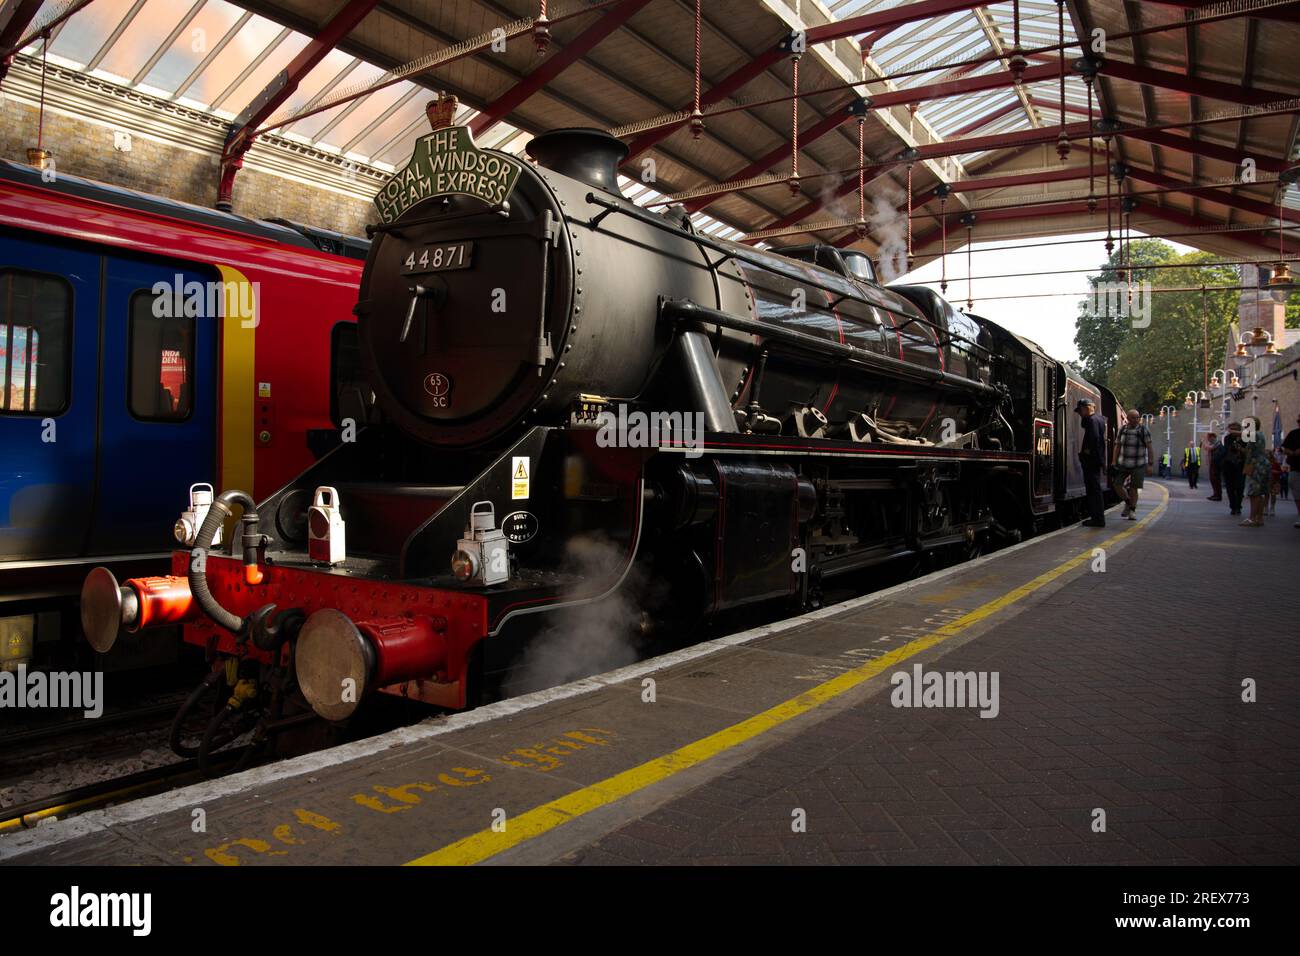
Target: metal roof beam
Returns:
[[24, 13], [1213, 194], [1191, 85], [1281, 12], [582, 44], [952, 147], [1200, 147], [915, 94], [264, 105], [897, 16]]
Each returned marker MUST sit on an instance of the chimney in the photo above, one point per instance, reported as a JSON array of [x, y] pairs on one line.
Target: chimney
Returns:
[[588, 155]]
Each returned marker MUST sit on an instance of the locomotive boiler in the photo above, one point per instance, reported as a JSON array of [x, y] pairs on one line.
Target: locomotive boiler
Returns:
[[517, 325]]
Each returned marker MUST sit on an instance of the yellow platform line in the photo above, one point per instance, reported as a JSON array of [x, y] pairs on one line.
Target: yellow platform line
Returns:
[[488, 843]]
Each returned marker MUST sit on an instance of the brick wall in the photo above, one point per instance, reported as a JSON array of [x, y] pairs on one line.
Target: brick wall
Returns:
[[85, 148]]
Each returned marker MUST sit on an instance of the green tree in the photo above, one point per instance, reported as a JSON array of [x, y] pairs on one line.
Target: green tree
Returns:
[[1161, 363], [1098, 335]]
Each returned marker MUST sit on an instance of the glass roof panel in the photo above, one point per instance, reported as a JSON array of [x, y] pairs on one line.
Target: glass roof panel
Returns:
[[246, 47], [327, 72], [405, 115], [84, 34], [368, 109], [151, 25], [271, 63], [195, 42]]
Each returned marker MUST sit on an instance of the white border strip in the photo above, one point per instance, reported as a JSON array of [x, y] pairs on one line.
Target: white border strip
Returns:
[[52, 834]]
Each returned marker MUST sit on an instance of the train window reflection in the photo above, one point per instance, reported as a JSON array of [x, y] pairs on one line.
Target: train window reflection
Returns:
[[35, 337], [860, 265], [159, 383]]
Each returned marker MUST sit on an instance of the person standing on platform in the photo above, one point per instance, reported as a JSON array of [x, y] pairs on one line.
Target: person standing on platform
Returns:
[[1256, 472], [1164, 465], [1092, 456], [1234, 459], [1133, 459], [1291, 445], [1214, 455], [1275, 462], [1192, 463]]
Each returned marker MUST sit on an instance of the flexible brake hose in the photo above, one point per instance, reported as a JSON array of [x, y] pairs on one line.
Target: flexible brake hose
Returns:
[[198, 574]]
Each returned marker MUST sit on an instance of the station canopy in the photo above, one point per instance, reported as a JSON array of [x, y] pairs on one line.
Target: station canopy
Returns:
[[959, 97]]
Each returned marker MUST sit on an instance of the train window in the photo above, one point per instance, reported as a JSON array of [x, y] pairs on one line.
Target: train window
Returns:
[[159, 382], [859, 265], [35, 343]]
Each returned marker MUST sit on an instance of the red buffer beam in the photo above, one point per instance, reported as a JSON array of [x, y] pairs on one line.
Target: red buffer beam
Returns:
[[581, 45]]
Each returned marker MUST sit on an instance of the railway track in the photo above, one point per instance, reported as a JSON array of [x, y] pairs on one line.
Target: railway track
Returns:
[[96, 795]]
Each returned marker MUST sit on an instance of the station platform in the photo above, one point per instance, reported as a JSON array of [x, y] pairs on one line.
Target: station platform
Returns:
[[1118, 734]]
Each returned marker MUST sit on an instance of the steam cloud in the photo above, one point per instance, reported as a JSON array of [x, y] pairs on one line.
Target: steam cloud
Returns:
[[889, 226], [885, 218], [587, 638]]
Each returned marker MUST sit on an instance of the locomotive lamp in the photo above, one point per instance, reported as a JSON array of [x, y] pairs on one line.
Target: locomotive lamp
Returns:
[[326, 533], [187, 525], [483, 556]]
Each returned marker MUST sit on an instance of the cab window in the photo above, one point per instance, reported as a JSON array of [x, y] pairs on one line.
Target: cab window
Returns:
[[35, 343], [859, 266]]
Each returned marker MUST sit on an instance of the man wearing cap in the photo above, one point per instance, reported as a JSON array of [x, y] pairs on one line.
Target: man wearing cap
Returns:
[[1092, 456], [1234, 461]]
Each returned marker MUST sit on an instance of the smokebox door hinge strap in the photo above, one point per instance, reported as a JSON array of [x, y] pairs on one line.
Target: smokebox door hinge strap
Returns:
[[543, 352]]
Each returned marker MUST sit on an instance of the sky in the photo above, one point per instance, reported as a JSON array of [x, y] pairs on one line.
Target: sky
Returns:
[[1047, 321]]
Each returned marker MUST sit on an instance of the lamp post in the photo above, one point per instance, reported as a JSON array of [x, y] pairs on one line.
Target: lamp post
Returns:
[[1167, 412], [1253, 348], [1193, 401], [1224, 379]]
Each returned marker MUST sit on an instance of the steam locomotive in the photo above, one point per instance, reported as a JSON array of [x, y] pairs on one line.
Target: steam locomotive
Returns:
[[555, 395]]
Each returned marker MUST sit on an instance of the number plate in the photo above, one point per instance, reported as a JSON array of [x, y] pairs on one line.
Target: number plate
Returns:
[[439, 258]]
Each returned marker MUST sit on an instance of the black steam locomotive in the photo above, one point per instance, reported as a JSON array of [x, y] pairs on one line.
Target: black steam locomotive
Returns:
[[552, 395]]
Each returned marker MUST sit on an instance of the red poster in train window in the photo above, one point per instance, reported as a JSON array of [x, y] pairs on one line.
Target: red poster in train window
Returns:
[[172, 374]]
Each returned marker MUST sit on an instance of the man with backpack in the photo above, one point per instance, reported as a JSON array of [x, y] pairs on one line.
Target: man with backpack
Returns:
[[1133, 458], [1192, 462]]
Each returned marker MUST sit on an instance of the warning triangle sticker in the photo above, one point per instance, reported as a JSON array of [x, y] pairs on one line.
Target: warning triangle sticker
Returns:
[[520, 472]]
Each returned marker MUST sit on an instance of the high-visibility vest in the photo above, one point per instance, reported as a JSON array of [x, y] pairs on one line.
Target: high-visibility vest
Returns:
[[1164, 459], [1191, 456]]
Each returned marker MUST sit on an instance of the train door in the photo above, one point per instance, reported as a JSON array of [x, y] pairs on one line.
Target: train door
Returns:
[[1042, 405], [49, 347], [157, 431]]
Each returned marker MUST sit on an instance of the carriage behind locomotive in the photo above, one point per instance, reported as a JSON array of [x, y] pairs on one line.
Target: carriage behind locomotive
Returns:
[[508, 314]]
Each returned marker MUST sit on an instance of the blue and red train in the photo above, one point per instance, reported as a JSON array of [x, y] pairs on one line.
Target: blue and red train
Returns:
[[145, 345]]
